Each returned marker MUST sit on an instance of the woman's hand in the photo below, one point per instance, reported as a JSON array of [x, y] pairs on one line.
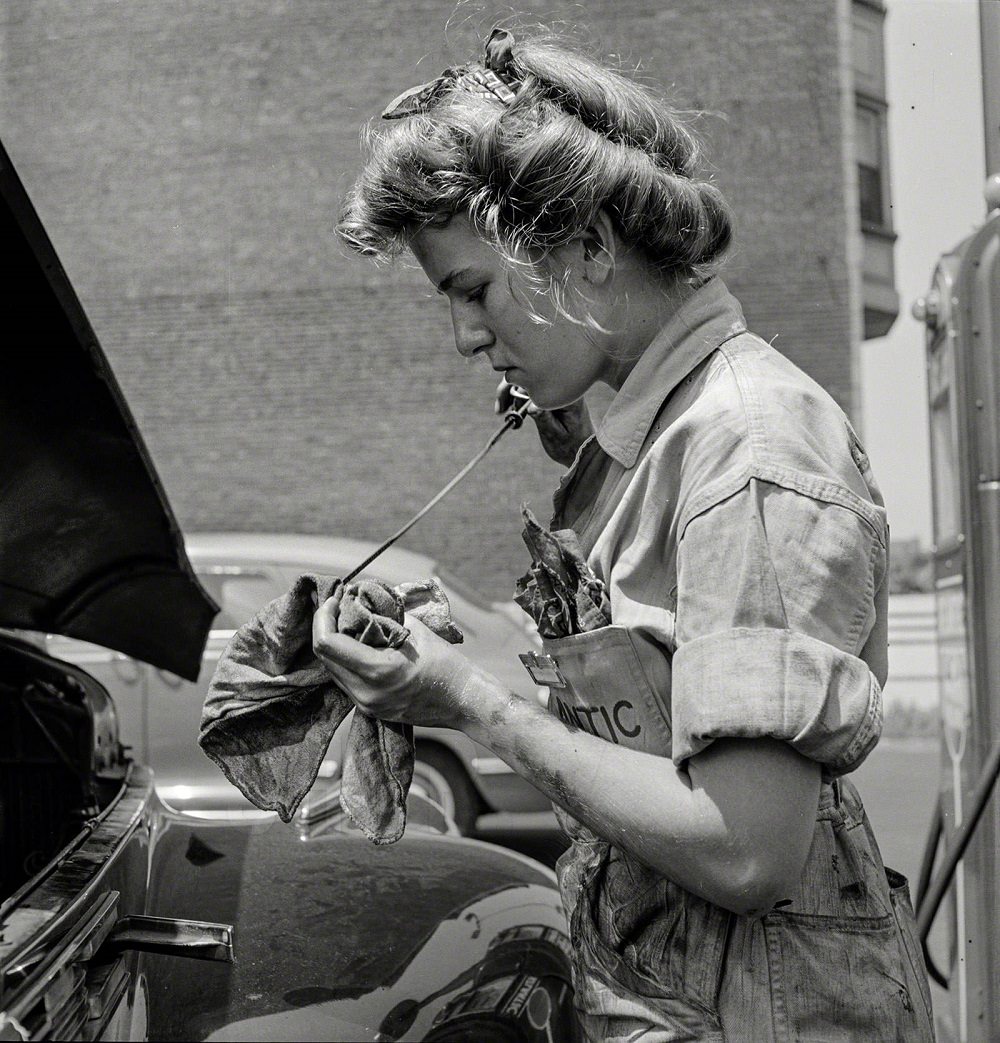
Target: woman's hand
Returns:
[[426, 681], [561, 431]]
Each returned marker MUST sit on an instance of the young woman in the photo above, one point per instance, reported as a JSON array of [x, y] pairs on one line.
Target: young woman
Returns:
[[723, 881]]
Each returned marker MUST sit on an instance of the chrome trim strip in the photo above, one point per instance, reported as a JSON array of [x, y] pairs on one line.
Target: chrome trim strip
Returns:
[[319, 806], [54, 863], [72, 881], [169, 936], [108, 1005], [251, 815]]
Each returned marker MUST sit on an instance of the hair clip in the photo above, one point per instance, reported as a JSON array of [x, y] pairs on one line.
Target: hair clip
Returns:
[[486, 81]]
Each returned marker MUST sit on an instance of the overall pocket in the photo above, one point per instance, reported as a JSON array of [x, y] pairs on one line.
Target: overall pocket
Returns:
[[838, 962], [639, 954], [899, 895], [660, 931]]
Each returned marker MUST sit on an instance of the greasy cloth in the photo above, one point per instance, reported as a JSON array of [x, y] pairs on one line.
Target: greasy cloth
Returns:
[[272, 707], [560, 591]]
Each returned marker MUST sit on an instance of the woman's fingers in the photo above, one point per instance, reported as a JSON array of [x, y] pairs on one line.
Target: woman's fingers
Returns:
[[324, 622], [349, 653], [338, 649], [326, 615], [421, 682]]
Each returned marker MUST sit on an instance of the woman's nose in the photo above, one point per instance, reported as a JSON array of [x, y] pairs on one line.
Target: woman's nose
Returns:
[[471, 335]]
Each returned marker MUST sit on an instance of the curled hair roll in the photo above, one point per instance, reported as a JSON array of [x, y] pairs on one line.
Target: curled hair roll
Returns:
[[533, 173]]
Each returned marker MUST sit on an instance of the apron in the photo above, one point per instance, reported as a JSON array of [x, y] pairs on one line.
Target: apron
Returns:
[[654, 962]]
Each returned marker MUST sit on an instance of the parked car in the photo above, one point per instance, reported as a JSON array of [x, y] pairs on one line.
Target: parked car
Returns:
[[159, 712], [110, 901]]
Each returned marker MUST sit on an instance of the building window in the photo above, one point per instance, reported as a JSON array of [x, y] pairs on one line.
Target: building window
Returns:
[[867, 48], [870, 150]]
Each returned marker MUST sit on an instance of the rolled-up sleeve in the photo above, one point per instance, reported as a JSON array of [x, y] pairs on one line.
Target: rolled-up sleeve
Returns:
[[776, 594]]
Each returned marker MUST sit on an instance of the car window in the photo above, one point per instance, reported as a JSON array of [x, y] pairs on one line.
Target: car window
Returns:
[[238, 593]]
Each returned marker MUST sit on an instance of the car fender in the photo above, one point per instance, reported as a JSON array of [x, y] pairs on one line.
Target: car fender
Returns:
[[338, 938]]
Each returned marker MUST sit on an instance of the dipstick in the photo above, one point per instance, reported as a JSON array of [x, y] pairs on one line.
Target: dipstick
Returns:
[[513, 418]]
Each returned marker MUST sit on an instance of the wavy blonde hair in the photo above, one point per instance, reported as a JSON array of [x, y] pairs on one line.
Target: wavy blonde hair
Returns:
[[533, 175]]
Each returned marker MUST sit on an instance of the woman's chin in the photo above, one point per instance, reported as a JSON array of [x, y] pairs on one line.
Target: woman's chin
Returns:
[[544, 399], [550, 398], [551, 402]]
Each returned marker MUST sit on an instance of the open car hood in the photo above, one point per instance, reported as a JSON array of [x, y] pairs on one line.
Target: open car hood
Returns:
[[89, 546]]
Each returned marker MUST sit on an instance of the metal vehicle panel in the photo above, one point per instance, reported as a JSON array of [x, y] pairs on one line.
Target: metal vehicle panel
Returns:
[[89, 545], [962, 314]]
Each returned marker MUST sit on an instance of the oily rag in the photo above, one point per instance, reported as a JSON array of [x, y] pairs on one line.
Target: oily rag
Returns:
[[272, 707], [560, 591]]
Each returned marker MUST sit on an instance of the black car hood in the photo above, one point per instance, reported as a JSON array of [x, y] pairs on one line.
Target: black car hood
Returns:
[[89, 546]]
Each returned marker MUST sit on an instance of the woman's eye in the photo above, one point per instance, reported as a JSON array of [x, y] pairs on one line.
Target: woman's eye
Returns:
[[477, 294]]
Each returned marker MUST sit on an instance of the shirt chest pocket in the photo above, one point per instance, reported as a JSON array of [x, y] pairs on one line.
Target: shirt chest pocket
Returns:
[[614, 685]]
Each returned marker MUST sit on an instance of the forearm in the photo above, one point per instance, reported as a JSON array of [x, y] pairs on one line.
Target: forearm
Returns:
[[637, 801]]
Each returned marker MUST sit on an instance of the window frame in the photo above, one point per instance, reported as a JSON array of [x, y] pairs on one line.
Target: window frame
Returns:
[[878, 108]]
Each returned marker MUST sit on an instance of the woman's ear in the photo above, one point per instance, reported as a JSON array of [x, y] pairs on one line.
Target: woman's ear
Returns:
[[600, 248]]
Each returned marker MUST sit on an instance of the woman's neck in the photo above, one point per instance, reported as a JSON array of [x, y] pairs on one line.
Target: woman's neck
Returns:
[[647, 304]]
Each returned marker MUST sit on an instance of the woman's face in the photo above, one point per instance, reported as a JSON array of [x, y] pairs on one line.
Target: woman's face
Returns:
[[555, 362]]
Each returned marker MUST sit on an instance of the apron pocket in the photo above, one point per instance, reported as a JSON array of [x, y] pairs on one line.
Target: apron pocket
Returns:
[[607, 689]]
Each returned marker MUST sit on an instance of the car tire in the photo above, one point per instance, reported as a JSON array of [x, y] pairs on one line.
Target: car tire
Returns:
[[443, 779]]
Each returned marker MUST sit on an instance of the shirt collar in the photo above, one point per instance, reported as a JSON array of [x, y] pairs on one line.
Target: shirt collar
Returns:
[[710, 316]]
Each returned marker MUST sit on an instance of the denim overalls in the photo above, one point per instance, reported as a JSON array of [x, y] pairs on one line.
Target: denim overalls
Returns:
[[839, 960]]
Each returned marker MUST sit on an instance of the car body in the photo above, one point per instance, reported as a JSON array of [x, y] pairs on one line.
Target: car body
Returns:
[[159, 712], [119, 915]]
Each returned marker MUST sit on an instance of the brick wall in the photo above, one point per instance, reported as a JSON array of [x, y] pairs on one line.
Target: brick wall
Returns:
[[188, 159]]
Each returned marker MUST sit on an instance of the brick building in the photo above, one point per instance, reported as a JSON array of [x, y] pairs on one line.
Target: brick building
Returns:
[[188, 159]]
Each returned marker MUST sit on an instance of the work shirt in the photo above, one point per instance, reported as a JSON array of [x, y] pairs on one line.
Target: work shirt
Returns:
[[730, 509]]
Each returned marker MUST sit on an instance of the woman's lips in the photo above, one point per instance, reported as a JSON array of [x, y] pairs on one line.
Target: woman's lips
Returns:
[[510, 374]]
